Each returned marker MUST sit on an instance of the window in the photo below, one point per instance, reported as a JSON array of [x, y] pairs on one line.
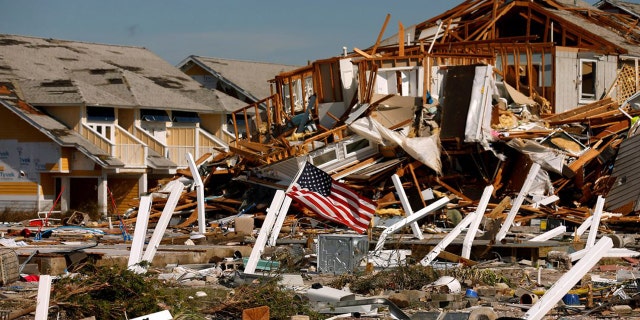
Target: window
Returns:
[[587, 80], [405, 81], [101, 114], [355, 146], [154, 115], [326, 157], [101, 120], [103, 129], [185, 117]]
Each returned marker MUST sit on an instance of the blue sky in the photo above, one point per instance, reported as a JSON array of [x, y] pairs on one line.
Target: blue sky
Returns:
[[279, 31]]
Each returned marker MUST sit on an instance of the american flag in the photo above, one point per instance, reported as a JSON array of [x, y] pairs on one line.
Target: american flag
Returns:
[[316, 190]]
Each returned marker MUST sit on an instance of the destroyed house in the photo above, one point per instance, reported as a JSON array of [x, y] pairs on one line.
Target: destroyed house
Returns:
[[464, 78], [97, 124]]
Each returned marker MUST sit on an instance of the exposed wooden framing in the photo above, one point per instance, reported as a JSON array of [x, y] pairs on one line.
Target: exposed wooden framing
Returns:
[[491, 24], [416, 182], [276, 112], [528, 32], [362, 53], [452, 190], [291, 101], [400, 39], [530, 72], [578, 110], [337, 87], [384, 26], [494, 15]]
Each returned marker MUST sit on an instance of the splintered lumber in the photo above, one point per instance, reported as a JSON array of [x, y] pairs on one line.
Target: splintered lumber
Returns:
[[581, 112], [362, 53], [456, 258], [584, 159], [452, 190], [611, 130], [384, 26], [499, 208], [400, 39]]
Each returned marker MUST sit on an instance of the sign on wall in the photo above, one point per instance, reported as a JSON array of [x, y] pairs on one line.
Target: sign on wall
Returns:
[[21, 161]]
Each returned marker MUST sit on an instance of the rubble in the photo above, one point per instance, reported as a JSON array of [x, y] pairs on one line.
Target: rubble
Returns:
[[472, 179]]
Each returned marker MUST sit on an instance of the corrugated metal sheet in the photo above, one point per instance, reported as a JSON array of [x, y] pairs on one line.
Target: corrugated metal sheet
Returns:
[[626, 189]]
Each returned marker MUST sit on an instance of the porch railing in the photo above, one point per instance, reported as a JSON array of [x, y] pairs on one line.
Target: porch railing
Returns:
[[150, 141], [130, 149], [98, 140]]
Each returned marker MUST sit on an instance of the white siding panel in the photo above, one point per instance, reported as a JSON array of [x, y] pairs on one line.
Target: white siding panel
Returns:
[[566, 75]]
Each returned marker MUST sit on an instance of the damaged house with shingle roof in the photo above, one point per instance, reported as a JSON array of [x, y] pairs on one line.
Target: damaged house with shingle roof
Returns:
[[246, 81], [100, 124]]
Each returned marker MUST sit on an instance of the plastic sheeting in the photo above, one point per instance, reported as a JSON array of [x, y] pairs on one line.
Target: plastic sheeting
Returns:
[[478, 125], [549, 159], [424, 149]]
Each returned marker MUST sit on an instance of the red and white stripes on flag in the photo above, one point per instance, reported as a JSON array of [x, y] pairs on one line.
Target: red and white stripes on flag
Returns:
[[316, 190]]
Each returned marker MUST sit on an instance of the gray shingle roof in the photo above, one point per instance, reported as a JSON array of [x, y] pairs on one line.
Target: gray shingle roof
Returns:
[[101, 74], [598, 30], [251, 76]]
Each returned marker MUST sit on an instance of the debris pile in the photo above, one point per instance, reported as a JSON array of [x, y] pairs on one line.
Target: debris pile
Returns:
[[406, 184]]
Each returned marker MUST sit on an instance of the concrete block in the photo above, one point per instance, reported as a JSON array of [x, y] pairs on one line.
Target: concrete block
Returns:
[[399, 299], [426, 315], [486, 291], [244, 225], [31, 268], [53, 265], [291, 280], [622, 310], [446, 297], [300, 317]]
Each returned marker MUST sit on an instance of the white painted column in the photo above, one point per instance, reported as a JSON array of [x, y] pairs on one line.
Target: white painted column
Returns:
[[568, 280], [272, 216], [549, 234], [595, 223], [197, 181], [103, 195], [143, 183], [450, 237], [584, 226], [175, 188], [277, 226], [475, 224], [406, 206], [140, 232], [44, 293], [506, 225], [408, 220]]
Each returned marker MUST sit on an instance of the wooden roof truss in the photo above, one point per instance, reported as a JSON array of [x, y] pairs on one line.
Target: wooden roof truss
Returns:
[[493, 20]]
